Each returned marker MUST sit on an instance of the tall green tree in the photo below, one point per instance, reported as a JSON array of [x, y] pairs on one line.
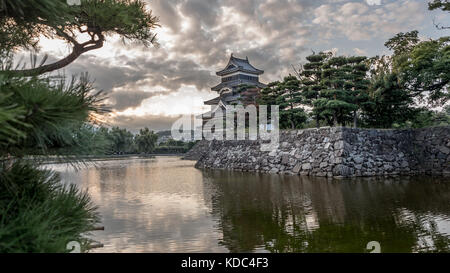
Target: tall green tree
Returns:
[[292, 115], [336, 103], [146, 140], [311, 81], [422, 66], [269, 96], [357, 84], [270, 93], [402, 44], [388, 102], [122, 140], [344, 82]]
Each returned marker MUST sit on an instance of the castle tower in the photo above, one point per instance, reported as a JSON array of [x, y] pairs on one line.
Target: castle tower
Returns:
[[237, 72]]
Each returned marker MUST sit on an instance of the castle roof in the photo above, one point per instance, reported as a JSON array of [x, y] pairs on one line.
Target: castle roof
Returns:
[[214, 101], [236, 64], [219, 87]]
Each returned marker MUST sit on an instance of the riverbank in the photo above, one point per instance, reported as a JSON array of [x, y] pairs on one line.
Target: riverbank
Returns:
[[336, 152], [56, 160]]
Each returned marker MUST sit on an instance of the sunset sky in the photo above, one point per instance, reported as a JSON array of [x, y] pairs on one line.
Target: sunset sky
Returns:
[[153, 86]]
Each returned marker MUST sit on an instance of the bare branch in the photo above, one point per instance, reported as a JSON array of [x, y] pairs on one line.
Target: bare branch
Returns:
[[438, 26]]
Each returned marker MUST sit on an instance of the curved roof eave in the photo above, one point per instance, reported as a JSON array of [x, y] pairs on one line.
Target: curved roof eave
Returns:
[[239, 66], [238, 69]]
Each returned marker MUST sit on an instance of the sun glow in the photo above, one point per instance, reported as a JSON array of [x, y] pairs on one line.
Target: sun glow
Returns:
[[186, 101]]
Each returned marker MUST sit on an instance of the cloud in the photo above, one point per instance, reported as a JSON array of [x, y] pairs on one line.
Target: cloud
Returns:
[[125, 99], [358, 21], [198, 36], [153, 122], [359, 51]]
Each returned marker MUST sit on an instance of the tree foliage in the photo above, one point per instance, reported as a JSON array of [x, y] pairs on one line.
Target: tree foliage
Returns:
[[388, 102], [146, 140], [38, 213], [287, 95], [311, 82], [249, 95], [44, 116], [422, 66], [439, 4], [426, 71], [40, 113], [345, 85], [292, 115], [38, 116], [22, 22]]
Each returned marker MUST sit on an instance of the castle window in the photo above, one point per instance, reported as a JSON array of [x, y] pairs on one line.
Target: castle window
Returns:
[[248, 78], [231, 78]]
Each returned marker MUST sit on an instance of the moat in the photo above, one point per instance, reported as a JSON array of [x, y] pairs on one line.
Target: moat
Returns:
[[166, 205]]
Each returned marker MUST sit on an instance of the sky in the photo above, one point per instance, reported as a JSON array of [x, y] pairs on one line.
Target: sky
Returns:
[[152, 87]]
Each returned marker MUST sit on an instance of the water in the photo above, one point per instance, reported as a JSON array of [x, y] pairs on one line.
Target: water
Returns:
[[166, 205]]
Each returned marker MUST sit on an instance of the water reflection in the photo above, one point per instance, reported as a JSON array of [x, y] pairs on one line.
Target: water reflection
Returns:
[[149, 205], [166, 205], [301, 214]]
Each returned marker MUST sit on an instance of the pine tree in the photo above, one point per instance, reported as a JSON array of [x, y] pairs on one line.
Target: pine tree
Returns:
[[249, 94], [357, 84], [335, 102], [269, 95], [43, 116], [311, 81], [23, 22], [292, 115]]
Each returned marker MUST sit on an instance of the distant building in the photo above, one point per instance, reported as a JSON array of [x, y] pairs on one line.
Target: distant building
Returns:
[[237, 72]]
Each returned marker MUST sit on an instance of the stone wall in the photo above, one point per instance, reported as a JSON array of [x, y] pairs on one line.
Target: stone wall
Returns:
[[337, 152], [196, 152]]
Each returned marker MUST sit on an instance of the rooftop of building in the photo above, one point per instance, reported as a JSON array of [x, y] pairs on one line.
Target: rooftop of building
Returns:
[[236, 64], [236, 83]]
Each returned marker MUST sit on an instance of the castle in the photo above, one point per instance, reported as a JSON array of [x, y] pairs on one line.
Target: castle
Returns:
[[238, 72]]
